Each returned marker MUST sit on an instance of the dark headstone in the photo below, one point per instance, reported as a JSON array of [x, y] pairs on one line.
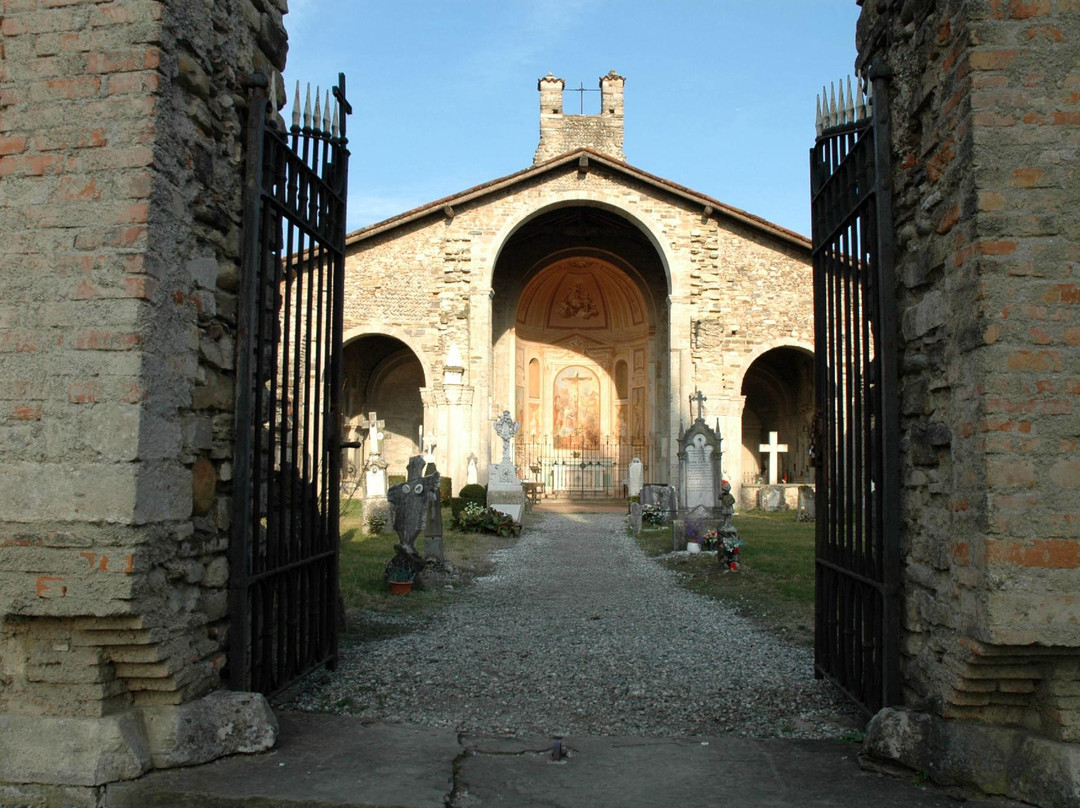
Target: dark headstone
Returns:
[[412, 503]]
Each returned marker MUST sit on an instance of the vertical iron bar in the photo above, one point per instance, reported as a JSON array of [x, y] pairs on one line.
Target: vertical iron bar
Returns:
[[245, 434]]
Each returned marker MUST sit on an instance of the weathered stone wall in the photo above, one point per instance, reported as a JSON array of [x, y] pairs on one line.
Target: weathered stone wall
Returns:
[[985, 106], [428, 282], [561, 133], [121, 158]]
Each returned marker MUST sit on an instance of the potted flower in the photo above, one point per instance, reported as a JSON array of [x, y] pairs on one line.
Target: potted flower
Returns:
[[400, 580]]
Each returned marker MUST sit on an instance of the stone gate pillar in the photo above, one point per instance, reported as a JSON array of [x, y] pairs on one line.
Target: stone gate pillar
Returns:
[[121, 158], [984, 109]]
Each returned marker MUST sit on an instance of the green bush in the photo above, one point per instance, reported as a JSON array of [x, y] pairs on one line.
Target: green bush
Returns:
[[469, 493], [446, 489], [474, 492], [394, 479]]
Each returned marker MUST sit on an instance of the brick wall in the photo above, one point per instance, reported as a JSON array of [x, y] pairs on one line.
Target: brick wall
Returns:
[[120, 163], [986, 134]]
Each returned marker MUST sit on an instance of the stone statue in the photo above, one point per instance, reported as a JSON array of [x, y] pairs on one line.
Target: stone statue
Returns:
[[726, 530]]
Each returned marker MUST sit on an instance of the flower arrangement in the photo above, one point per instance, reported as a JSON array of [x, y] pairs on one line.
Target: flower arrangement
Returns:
[[653, 515], [727, 550], [475, 518]]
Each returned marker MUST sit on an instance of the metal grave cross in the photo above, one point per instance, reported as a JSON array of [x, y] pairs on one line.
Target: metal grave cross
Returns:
[[373, 425], [773, 448]]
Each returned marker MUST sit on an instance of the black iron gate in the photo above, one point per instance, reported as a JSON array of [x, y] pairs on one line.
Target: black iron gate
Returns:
[[857, 566], [284, 552]]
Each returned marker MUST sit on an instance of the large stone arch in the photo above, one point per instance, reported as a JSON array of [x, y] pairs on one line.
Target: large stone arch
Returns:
[[384, 375], [650, 229], [626, 329]]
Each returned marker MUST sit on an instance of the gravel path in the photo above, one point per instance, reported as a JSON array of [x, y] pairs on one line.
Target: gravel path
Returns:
[[579, 633]]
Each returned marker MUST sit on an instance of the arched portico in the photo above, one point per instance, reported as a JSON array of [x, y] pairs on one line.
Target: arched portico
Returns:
[[580, 336], [778, 391], [382, 375]]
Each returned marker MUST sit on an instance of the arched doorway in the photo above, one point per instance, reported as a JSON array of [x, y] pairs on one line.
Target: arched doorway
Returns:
[[779, 392], [382, 376], [580, 350]]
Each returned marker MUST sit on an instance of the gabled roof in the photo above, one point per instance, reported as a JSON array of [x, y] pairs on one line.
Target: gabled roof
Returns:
[[479, 191]]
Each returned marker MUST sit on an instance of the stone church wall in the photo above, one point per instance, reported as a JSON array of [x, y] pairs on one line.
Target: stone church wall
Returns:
[[428, 281], [121, 158], [985, 135]]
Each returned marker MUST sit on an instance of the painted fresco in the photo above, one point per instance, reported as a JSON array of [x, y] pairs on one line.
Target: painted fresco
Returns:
[[576, 409]]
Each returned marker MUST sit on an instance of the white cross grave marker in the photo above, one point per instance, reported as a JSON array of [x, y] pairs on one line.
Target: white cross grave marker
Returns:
[[373, 425], [773, 448]]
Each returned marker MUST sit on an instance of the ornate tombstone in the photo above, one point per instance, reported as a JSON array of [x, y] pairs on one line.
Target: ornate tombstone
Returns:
[[699, 466], [505, 492], [375, 466], [700, 480]]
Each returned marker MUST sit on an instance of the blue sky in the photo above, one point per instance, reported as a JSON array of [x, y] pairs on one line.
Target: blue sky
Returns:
[[719, 94]]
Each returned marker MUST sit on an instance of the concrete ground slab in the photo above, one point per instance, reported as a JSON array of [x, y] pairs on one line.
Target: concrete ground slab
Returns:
[[340, 762], [707, 772], [320, 760]]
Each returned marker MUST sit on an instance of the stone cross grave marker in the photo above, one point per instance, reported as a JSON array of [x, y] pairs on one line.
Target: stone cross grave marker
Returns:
[[774, 449], [374, 466], [699, 398], [372, 424], [506, 427]]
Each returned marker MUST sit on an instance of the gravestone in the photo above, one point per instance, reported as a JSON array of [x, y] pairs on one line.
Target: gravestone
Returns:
[[411, 501], [771, 498], [699, 475], [505, 492], [699, 466], [662, 496], [806, 510], [374, 466], [636, 477], [635, 517], [433, 529]]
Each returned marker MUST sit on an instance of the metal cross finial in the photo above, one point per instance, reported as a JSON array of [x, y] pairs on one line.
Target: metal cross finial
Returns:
[[700, 398], [581, 89]]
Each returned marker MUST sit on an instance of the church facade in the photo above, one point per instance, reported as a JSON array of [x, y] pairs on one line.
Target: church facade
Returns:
[[591, 300]]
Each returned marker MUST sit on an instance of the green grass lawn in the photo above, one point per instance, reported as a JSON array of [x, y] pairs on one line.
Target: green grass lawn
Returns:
[[370, 608], [775, 583]]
